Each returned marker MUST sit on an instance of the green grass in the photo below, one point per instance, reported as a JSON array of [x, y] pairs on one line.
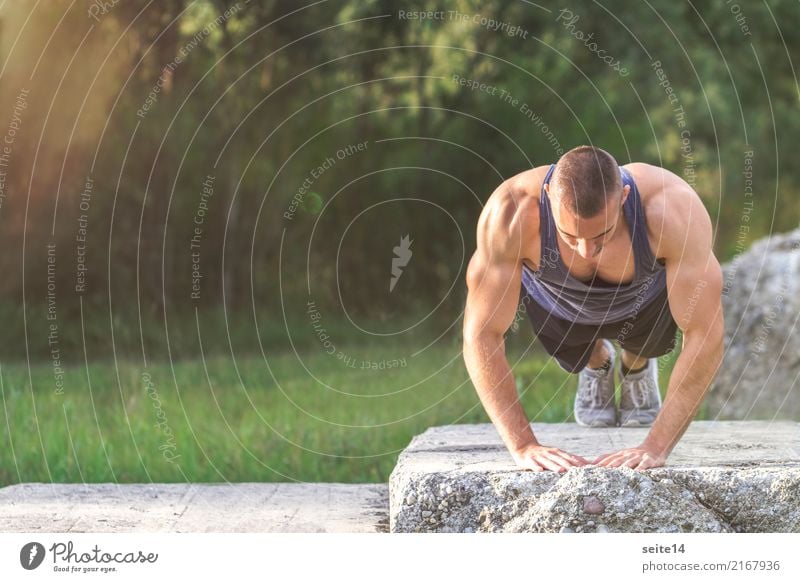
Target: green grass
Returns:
[[306, 417]]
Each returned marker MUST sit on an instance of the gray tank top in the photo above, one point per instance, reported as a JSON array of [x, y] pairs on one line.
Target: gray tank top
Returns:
[[598, 301]]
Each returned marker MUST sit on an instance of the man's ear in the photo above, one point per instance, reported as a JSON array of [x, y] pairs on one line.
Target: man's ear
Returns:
[[625, 191]]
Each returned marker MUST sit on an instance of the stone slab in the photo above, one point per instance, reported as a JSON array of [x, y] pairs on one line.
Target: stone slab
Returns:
[[166, 507], [723, 476]]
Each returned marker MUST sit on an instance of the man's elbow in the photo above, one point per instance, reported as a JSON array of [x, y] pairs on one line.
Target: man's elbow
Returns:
[[473, 337], [479, 340], [716, 349], [716, 335], [708, 340]]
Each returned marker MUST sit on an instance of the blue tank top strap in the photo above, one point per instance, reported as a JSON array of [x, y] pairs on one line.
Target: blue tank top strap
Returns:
[[549, 253], [634, 213]]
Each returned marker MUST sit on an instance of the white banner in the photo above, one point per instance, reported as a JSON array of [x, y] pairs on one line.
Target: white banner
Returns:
[[401, 557]]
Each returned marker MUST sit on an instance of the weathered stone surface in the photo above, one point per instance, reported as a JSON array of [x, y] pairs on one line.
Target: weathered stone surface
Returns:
[[176, 507], [760, 375], [721, 477]]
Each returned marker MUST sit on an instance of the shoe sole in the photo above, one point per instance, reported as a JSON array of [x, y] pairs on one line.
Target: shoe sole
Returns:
[[596, 424], [635, 424]]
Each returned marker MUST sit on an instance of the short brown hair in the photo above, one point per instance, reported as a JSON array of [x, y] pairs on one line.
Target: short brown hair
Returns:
[[586, 178]]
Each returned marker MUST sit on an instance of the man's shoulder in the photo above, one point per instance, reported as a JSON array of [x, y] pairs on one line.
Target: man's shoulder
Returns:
[[526, 184], [511, 214], [531, 179], [519, 192], [670, 204]]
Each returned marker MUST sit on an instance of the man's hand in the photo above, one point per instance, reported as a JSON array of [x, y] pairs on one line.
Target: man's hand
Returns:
[[541, 458], [637, 458]]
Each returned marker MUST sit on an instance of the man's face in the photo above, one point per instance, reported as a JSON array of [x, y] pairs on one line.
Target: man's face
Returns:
[[588, 236]]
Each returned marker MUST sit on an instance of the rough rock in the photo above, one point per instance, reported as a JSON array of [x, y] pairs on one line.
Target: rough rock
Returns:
[[760, 374], [721, 477]]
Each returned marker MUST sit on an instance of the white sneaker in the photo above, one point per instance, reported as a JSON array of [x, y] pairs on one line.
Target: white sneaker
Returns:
[[594, 401], [640, 401]]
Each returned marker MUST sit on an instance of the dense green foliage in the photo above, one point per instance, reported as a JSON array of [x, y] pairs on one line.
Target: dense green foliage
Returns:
[[149, 100]]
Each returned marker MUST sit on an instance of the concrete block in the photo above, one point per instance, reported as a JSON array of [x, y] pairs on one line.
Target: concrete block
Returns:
[[723, 476], [178, 507]]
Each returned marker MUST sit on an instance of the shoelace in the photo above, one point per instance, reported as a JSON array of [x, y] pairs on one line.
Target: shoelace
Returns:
[[591, 393], [640, 392]]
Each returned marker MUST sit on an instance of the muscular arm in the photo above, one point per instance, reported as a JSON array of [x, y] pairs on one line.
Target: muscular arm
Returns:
[[494, 281], [694, 287]]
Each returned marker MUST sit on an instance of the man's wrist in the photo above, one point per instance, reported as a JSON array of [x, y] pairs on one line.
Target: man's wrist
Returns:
[[518, 450], [655, 448]]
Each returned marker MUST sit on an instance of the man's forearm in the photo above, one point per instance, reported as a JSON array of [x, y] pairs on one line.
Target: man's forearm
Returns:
[[691, 377], [491, 375]]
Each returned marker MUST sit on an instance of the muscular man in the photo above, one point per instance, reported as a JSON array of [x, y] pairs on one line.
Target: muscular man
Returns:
[[597, 253]]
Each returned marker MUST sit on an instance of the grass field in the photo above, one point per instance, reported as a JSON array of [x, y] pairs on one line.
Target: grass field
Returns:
[[307, 417]]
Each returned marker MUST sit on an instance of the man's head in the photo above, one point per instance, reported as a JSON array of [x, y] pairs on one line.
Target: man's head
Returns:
[[586, 195]]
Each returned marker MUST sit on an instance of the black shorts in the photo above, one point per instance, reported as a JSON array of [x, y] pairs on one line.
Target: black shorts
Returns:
[[649, 332]]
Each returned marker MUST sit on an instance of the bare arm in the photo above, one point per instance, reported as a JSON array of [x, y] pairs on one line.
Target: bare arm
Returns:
[[694, 288], [694, 285], [494, 282]]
